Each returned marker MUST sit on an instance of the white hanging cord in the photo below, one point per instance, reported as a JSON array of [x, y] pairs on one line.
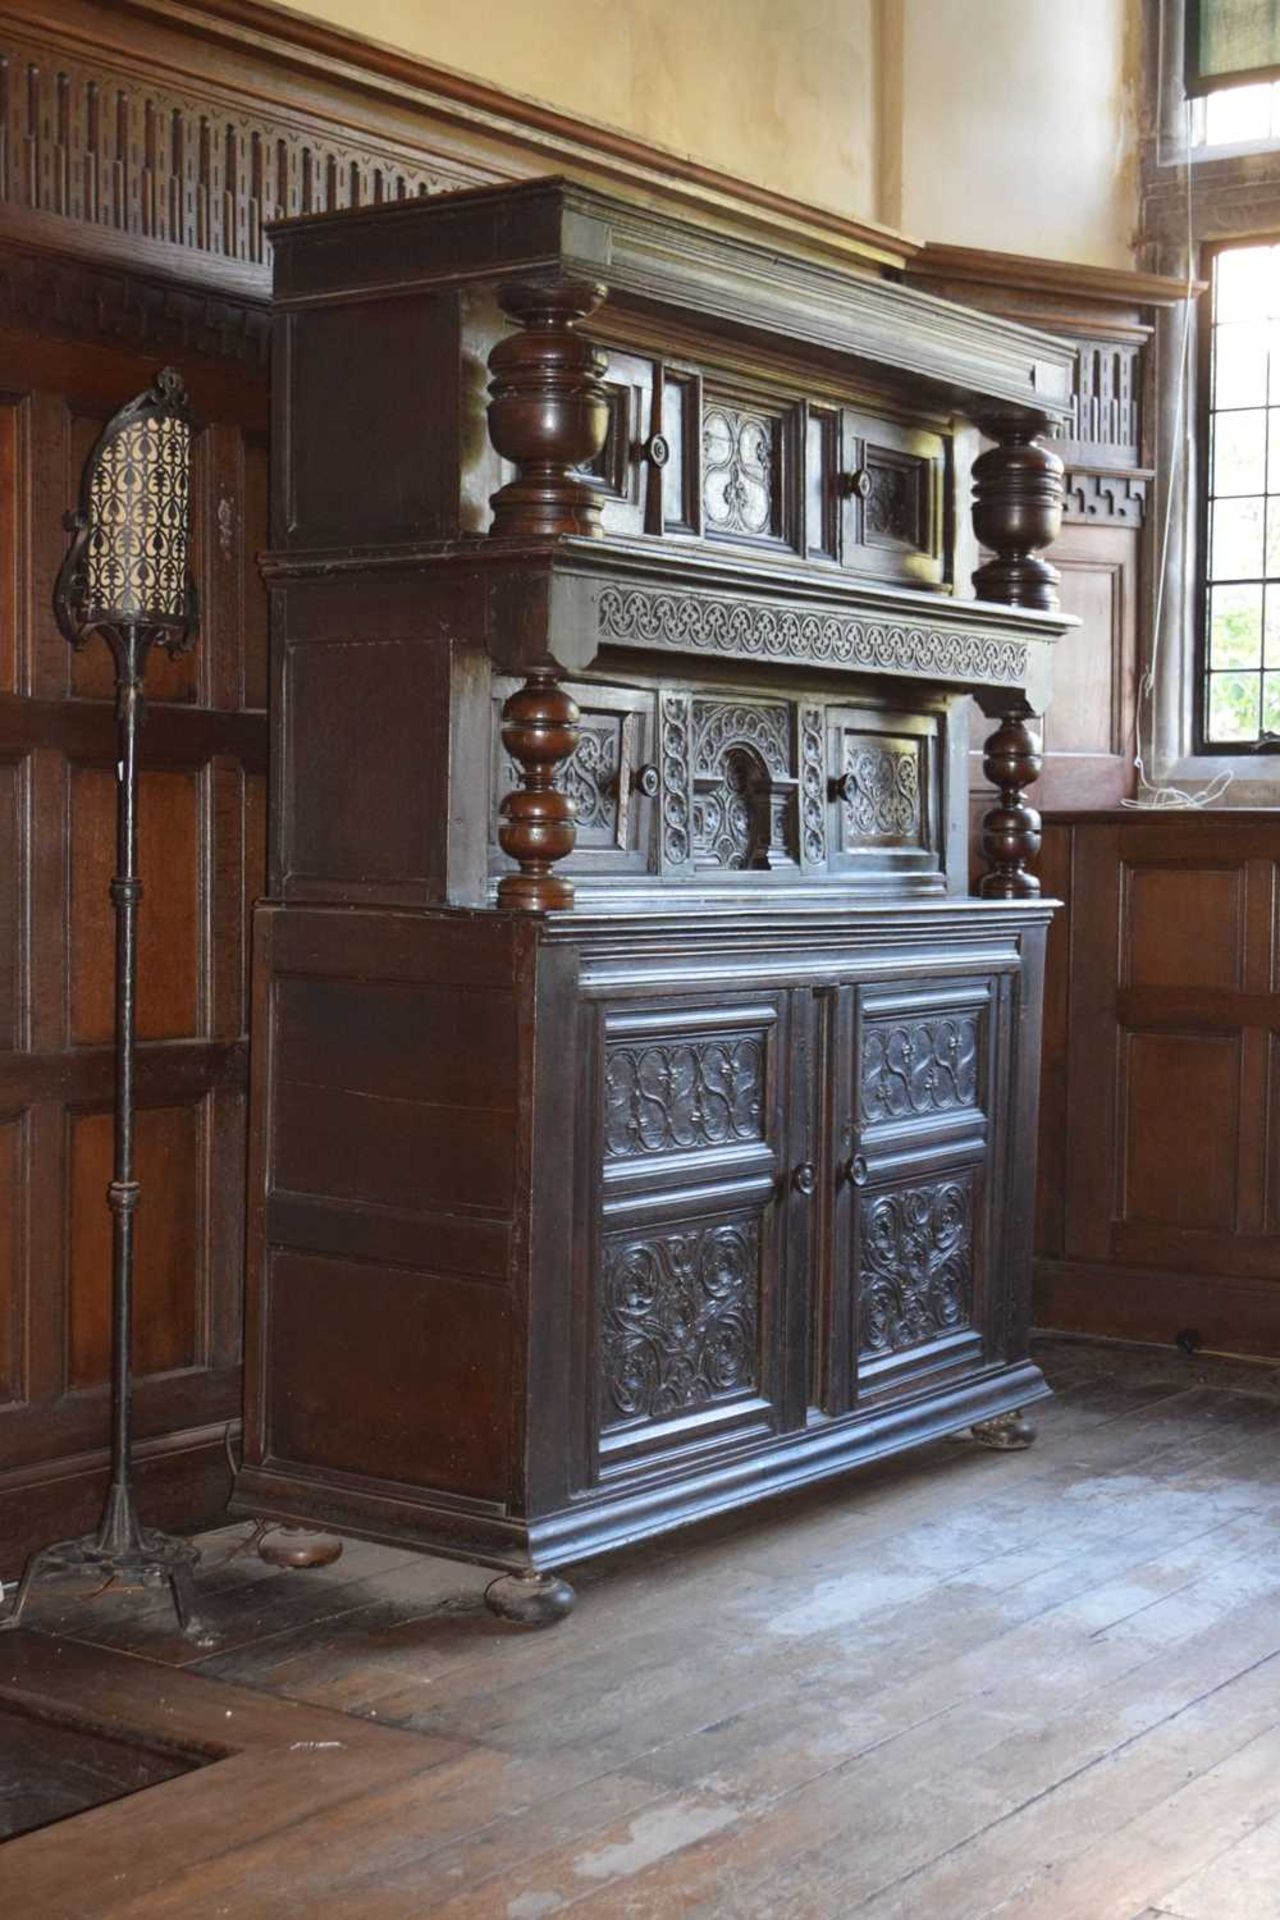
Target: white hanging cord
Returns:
[[1150, 795]]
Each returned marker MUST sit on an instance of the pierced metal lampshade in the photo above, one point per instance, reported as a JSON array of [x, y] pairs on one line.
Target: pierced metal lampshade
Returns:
[[128, 565]]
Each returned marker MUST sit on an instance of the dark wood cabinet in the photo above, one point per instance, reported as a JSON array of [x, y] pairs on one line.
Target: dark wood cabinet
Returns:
[[643, 1109]]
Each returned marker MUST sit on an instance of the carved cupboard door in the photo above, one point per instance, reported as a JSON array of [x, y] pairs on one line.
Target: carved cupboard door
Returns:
[[696, 1184], [912, 1293]]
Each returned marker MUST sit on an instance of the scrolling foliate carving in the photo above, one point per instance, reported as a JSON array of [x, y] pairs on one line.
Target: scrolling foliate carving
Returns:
[[813, 787], [755, 630], [589, 776], [915, 1279], [677, 841], [881, 793], [680, 1319], [671, 1096], [912, 1067], [718, 724]]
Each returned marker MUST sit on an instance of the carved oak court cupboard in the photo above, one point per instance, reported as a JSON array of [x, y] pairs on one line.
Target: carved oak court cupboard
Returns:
[[644, 1113]]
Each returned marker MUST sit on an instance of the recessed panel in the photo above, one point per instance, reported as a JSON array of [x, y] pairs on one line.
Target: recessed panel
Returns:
[[1181, 1107], [1184, 926], [389, 1372], [168, 1278], [168, 915], [13, 1265], [11, 899], [366, 798], [11, 482]]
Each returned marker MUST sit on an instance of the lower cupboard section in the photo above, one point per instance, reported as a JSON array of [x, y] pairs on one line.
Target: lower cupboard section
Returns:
[[730, 1237]]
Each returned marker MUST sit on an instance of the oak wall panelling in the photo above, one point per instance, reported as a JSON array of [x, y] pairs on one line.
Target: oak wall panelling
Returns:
[[1160, 1179], [144, 149]]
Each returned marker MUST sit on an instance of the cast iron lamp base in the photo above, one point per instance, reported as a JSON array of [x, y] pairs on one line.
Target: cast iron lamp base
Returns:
[[121, 1550]]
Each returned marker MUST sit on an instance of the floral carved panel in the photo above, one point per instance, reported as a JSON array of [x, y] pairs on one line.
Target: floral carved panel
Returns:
[[680, 1317], [914, 1067], [672, 1096], [915, 1277]]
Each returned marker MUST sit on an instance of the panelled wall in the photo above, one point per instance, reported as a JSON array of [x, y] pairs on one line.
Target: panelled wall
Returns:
[[202, 812], [143, 150], [1159, 1210]]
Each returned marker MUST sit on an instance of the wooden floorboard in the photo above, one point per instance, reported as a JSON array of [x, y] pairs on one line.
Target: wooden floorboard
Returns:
[[1044, 1686]]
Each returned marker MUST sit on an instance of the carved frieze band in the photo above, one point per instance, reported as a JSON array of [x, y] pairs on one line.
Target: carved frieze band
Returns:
[[1115, 499], [916, 1268], [102, 146], [680, 1316], [751, 630], [916, 1067], [676, 1095]]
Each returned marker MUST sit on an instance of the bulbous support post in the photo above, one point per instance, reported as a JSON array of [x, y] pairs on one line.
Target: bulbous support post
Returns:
[[539, 731], [1017, 512], [548, 411], [1010, 837], [530, 1599]]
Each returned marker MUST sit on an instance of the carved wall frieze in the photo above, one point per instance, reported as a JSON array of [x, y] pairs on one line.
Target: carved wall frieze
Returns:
[[105, 147], [748, 629], [916, 1268], [56, 294], [673, 1096], [1119, 499], [915, 1067], [680, 1318]]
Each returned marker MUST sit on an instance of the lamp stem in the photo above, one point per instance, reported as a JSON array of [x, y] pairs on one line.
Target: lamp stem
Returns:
[[119, 1529]]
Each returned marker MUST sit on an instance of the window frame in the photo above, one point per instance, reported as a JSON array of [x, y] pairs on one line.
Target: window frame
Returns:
[[1197, 85], [1202, 744]]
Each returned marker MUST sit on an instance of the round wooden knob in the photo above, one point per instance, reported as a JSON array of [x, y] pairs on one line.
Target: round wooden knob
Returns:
[[856, 485], [859, 1172], [653, 452], [646, 781], [805, 1179]]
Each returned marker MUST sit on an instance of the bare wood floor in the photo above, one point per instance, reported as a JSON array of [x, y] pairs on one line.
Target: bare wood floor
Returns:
[[1041, 1685]]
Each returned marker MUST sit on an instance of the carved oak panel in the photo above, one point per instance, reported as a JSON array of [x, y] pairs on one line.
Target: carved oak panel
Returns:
[[916, 1264], [671, 1096], [680, 1318], [742, 471], [916, 1067]]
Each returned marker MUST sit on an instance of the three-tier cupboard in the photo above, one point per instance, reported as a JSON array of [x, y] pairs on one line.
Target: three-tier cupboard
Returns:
[[644, 1107]]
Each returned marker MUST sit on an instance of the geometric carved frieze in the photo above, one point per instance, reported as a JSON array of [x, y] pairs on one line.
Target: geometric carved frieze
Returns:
[[680, 1316], [685, 621]]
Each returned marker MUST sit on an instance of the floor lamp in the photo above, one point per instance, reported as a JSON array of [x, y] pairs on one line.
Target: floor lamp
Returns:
[[126, 577]]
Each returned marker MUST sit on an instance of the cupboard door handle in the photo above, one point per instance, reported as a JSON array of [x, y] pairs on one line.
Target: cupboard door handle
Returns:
[[859, 1172], [805, 1178], [838, 786], [854, 486], [655, 451], [646, 781]]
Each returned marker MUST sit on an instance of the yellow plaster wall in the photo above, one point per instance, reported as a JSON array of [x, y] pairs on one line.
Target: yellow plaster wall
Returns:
[[1007, 124], [782, 92], [1018, 125]]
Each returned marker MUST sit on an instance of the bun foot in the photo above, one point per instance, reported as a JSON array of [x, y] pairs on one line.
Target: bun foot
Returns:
[[530, 1599], [298, 1547], [1007, 1433]]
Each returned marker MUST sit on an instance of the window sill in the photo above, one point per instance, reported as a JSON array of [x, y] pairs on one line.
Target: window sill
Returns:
[[1255, 777]]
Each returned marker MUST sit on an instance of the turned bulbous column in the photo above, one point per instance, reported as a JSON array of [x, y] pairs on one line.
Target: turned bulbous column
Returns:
[[1011, 830], [548, 412], [538, 822], [1018, 489]]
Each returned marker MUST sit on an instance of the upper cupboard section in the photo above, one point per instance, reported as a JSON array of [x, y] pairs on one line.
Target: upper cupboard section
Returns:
[[693, 454]]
